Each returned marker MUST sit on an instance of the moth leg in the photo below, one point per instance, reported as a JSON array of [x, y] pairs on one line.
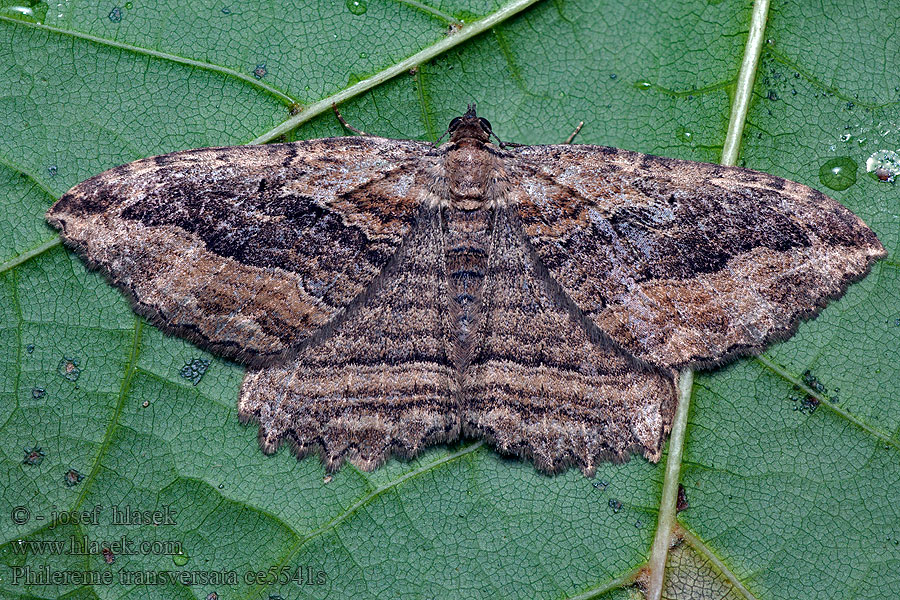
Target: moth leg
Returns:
[[516, 145], [574, 133], [340, 118]]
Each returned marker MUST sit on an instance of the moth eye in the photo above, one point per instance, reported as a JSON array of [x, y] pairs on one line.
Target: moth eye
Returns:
[[454, 123], [485, 124]]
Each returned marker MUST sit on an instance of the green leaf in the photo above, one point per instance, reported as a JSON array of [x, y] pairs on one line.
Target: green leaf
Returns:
[[784, 501]]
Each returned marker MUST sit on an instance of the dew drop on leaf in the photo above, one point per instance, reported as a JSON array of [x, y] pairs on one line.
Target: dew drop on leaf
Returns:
[[68, 368], [884, 165], [180, 559], [685, 135], [24, 10], [260, 71], [33, 456], [813, 382], [642, 85], [357, 7], [195, 369], [115, 15], [615, 505], [682, 501], [838, 173], [29, 348], [37, 393], [72, 477]]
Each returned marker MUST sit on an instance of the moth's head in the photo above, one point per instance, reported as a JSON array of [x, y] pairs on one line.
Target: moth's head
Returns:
[[470, 126]]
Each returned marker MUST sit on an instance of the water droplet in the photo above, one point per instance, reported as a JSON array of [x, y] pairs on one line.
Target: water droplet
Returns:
[[73, 477], [221, 486], [682, 502], [52, 170], [846, 137], [364, 55], [260, 71], [813, 382], [29, 348], [129, 5], [115, 15], [180, 559], [226, 11], [145, 403], [26, 10], [37, 393], [195, 369], [838, 173], [884, 165], [357, 7], [615, 505], [685, 135], [612, 75], [69, 368], [33, 456], [772, 95], [642, 85]]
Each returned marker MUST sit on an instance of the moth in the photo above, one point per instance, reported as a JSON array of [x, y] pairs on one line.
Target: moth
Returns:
[[387, 295]]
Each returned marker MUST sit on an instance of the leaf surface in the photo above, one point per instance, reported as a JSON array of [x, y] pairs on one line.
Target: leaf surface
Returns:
[[790, 502]]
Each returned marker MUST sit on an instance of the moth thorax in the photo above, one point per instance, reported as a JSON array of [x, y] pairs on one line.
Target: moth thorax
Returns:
[[468, 204]]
